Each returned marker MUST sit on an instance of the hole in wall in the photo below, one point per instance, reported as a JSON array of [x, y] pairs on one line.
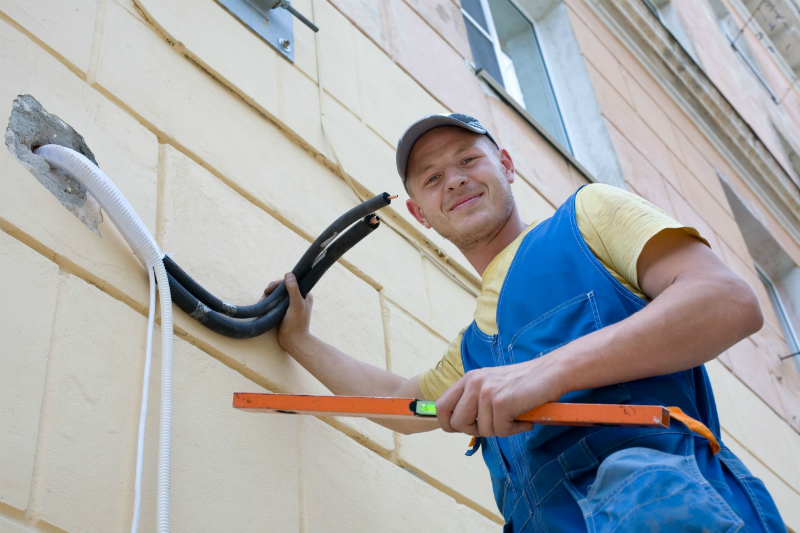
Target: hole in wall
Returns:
[[31, 126]]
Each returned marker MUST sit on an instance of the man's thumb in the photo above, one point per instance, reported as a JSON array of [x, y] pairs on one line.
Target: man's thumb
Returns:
[[292, 288]]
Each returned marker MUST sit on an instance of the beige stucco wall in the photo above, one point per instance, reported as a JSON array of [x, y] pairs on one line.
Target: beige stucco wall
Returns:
[[219, 146]]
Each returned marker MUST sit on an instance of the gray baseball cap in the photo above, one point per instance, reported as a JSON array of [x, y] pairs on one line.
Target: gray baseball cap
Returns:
[[424, 125]]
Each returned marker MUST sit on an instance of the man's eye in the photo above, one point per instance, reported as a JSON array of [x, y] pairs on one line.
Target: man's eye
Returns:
[[467, 160], [432, 178]]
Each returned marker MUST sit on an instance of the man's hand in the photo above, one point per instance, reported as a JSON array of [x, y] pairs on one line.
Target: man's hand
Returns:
[[485, 402], [297, 321]]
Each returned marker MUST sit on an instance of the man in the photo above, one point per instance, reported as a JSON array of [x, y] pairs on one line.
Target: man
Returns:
[[608, 301]]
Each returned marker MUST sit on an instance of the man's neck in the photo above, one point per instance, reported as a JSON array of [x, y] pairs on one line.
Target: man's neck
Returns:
[[483, 254]]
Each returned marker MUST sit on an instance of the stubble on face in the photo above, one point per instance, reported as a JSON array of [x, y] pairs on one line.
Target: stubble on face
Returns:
[[474, 226], [467, 236]]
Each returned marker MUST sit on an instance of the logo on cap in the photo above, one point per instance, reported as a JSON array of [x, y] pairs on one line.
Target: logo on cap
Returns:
[[466, 119]]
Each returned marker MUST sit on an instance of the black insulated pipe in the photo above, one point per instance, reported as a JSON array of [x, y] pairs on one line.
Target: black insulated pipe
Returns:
[[232, 327], [299, 270], [337, 250], [196, 289]]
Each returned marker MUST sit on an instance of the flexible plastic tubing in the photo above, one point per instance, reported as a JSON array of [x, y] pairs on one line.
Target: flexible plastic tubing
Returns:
[[232, 327], [165, 426], [147, 250], [151, 316], [299, 270], [110, 199]]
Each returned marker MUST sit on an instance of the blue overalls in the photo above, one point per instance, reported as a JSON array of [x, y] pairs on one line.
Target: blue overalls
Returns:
[[557, 478]]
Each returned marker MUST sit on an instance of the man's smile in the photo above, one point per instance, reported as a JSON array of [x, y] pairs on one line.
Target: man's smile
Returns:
[[466, 201]]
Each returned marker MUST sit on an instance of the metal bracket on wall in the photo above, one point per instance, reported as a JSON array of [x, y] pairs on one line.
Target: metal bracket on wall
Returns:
[[269, 19]]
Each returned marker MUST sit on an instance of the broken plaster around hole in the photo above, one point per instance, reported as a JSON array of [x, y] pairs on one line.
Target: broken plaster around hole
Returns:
[[31, 126]]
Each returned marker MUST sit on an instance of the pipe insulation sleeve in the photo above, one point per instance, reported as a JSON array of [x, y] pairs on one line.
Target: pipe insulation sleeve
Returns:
[[303, 265], [197, 290], [245, 329], [220, 323], [109, 197], [336, 250], [147, 250]]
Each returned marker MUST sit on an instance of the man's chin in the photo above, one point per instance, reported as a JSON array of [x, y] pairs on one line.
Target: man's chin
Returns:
[[468, 231], [470, 219]]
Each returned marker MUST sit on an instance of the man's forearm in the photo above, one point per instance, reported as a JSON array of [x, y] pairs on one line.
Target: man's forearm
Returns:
[[341, 373], [690, 323], [338, 371]]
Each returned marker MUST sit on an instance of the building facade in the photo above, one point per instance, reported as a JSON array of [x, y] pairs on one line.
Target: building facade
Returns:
[[236, 157]]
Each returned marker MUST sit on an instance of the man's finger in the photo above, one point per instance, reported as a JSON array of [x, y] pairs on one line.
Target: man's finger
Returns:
[[445, 405], [293, 289], [485, 415], [518, 426], [270, 289], [472, 429], [466, 413], [272, 286]]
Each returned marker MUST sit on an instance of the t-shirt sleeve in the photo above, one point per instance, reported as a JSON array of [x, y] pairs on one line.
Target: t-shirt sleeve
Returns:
[[616, 224], [450, 369]]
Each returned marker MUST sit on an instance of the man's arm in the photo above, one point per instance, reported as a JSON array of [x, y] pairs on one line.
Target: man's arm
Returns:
[[338, 371], [699, 309]]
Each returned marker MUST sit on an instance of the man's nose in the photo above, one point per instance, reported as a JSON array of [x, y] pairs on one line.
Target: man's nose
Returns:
[[454, 178]]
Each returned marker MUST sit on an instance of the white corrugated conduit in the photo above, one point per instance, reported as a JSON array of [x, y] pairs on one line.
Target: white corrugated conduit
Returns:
[[147, 250]]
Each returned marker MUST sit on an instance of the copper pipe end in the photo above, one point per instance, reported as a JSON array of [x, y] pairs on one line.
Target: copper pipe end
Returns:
[[394, 197]]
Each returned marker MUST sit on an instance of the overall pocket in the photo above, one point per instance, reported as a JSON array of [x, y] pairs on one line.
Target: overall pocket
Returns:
[[561, 325], [640, 490]]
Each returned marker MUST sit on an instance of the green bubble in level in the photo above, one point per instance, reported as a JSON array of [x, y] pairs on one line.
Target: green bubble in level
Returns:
[[426, 408]]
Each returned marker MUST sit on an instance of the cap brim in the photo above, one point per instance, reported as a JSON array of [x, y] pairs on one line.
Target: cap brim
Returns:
[[420, 128]]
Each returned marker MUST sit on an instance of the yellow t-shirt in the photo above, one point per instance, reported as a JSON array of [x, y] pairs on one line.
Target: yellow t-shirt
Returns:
[[616, 225]]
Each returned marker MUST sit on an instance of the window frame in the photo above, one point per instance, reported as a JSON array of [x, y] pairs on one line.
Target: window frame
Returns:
[[509, 100], [721, 13], [492, 36], [592, 153], [753, 68], [789, 334], [766, 42]]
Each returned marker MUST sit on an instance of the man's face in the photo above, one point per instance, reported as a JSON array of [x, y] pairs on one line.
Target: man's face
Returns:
[[459, 183]]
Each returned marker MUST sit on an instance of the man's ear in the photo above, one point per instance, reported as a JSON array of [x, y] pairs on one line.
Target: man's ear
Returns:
[[416, 212], [507, 163]]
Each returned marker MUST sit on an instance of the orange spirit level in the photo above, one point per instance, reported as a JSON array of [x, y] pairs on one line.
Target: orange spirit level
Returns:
[[552, 414]]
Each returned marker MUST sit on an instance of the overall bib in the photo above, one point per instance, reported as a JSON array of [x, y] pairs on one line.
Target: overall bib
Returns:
[[603, 480]]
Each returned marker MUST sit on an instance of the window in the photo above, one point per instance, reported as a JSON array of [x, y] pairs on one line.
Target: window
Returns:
[[504, 44], [775, 24], [665, 12], [790, 150], [780, 310], [734, 34], [776, 269]]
